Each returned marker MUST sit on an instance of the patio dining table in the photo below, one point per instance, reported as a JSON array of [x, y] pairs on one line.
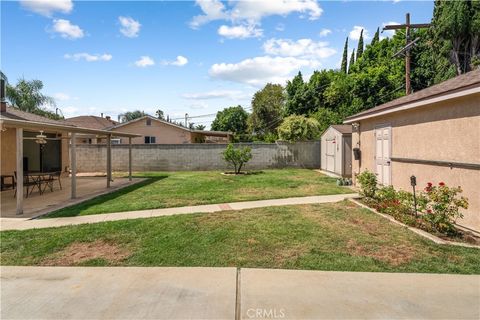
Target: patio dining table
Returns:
[[41, 178]]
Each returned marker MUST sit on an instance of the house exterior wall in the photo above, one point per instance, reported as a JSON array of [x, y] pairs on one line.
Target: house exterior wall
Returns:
[[163, 133], [444, 131], [9, 150]]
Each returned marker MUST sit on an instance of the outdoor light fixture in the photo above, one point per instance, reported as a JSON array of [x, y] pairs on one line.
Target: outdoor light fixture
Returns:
[[413, 183], [41, 138]]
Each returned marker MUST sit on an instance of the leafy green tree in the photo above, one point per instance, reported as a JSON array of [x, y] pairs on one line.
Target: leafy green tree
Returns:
[[325, 118], [26, 95], [299, 100], [360, 46], [352, 61], [267, 108], [132, 115], [232, 119], [237, 157], [376, 37], [458, 23], [343, 67], [160, 115], [315, 89], [298, 128]]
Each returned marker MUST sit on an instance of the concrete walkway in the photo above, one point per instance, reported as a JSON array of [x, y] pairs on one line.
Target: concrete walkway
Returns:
[[228, 293], [23, 224]]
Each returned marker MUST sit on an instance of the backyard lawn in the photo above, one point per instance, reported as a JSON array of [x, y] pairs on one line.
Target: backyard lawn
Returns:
[[338, 236], [176, 189]]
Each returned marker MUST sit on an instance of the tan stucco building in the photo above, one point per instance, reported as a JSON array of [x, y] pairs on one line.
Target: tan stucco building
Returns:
[[157, 131], [433, 134]]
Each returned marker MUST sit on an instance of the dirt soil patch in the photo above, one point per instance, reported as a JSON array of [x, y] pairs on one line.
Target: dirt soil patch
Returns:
[[79, 252], [394, 256]]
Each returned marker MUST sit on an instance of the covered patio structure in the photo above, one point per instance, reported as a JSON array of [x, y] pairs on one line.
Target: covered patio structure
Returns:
[[14, 131]]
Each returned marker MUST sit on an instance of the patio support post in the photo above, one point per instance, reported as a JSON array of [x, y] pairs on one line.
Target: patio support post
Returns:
[[19, 166], [129, 159], [109, 160], [74, 164]]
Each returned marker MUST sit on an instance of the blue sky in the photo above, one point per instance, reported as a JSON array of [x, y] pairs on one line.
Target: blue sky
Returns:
[[182, 57]]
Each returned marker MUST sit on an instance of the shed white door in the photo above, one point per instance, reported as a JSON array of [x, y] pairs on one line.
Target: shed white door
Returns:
[[382, 154], [330, 154]]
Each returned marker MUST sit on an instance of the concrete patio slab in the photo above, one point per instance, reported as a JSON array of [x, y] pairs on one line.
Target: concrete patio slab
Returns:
[[292, 294], [22, 224], [117, 293]]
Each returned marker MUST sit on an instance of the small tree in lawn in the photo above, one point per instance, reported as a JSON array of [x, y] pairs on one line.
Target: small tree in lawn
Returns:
[[237, 157]]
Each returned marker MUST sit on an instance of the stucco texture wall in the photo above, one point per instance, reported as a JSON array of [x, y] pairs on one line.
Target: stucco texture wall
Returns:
[[446, 131], [92, 158], [163, 133]]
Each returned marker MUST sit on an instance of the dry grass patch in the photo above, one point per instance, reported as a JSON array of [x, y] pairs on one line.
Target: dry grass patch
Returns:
[[80, 252], [394, 256]]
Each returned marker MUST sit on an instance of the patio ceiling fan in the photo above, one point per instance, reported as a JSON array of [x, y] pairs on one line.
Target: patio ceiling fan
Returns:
[[41, 138]]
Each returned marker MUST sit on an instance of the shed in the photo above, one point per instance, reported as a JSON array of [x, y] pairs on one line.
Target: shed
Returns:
[[336, 150]]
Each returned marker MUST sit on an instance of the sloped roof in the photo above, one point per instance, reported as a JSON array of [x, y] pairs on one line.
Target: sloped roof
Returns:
[[463, 82], [343, 128], [170, 124], [16, 114], [92, 122]]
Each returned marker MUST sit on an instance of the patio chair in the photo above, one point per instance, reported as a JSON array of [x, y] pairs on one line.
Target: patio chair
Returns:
[[50, 179], [27, 183]]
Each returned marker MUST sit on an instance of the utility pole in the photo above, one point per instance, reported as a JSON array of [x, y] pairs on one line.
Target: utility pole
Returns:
[[408, 46]]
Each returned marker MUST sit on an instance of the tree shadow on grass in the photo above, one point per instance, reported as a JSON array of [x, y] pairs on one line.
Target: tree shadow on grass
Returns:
[[76, 209]]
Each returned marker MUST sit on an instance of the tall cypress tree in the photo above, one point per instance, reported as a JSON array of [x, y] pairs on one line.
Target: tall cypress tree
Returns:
[[376, 37], [352, 61], [360, 45], [345, 57]]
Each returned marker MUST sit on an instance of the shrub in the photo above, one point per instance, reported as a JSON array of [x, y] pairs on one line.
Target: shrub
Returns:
[[442, 206], [368, 183], [237, 157], [298, 128]]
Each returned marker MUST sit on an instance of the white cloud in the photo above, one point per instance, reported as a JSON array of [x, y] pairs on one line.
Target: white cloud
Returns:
[[88, 57], [240, 31], [47, 7], [199, 105], [130, 27], [215, 94], [180, 61], [144, 61], [355, 33], [389, 33], [60, 96], [66, 29], [305, 48], [280, 27], [253, 11], [260, 70], [324, 32]]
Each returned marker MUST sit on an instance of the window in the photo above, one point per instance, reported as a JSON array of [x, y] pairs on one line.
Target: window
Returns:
[[149, 122], [116, 141], [149, 139]]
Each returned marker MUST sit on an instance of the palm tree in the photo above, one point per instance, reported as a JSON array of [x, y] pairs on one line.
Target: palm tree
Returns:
[[26, 96]]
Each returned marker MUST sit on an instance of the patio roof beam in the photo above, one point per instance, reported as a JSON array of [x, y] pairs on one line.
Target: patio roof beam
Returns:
[[109, 160], [129, 159], [37, 126], [19, 166], [73, 155]]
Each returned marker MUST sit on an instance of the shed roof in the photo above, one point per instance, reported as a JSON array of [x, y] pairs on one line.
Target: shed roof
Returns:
[[92, 122], [464, 82], [343, 128]]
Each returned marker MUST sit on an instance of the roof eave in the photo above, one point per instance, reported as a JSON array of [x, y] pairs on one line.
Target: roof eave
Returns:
[[415, 104]]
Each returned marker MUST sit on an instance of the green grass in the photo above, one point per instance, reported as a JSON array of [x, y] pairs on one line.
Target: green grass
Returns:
[[176, 189], [338, 236]]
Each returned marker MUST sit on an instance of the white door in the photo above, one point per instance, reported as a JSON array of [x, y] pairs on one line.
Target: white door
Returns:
[[330, 154], [382, 154]]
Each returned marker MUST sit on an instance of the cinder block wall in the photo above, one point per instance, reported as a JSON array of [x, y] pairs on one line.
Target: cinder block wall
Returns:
[[183, 157]]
